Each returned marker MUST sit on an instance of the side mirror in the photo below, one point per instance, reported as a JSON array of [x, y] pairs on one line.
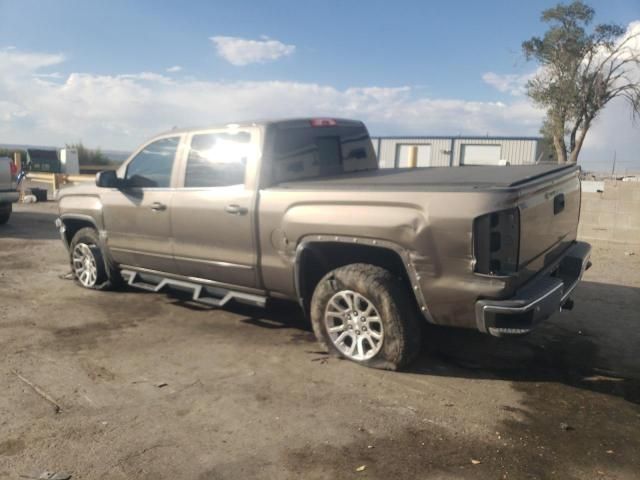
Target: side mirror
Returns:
[[107, 179]]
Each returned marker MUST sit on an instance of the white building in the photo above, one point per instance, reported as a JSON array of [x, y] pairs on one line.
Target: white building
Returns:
[[453, 151]]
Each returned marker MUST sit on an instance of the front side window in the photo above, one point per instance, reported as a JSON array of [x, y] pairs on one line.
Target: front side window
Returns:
[[218, 159], [151, 168]]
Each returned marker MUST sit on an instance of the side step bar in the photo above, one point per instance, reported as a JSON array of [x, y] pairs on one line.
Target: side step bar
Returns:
[[213, 296]]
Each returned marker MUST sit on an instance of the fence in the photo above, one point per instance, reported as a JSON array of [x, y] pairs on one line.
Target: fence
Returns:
[[612, 215]]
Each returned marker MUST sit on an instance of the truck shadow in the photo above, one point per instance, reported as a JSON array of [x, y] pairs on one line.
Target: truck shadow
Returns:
[[592, 347], [30, 225]]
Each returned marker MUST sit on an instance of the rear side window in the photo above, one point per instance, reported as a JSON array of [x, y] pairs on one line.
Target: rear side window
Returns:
[[310, 152], [151, 168], [218, 159]]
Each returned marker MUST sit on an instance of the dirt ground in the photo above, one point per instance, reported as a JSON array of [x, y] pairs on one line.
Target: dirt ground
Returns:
[[151, 386]]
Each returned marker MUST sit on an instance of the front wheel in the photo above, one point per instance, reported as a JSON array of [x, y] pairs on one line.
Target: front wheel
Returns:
[[88, 262], [5, 212], [365, 314]]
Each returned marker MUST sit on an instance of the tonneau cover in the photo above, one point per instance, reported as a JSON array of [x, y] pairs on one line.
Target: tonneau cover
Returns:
[[462, 176]]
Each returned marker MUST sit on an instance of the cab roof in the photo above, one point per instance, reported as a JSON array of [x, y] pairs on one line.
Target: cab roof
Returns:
[[278, 122]]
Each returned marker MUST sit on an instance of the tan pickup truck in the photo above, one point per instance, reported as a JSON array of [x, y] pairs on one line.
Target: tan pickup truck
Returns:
[[9, 179], [298, 209]]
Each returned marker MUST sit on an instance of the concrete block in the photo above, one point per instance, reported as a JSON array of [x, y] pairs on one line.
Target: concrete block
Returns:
[[627, 235], [588, 217], [596, 233], [606, 219], [621, 220], [628, 206], [627, 192], [606, 205], [610, 192]]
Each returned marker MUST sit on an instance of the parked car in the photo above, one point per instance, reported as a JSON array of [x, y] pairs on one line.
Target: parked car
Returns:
[[8, 188], [299, 210]]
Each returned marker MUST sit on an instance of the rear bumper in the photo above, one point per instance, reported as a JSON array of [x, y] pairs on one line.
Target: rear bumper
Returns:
[[537, 300], [10, 196]]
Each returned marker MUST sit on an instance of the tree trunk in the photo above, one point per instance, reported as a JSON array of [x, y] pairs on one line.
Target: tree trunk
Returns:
[[561, 149], [573, 157]]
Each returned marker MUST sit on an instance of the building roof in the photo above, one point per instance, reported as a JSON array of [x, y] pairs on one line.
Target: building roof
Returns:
[[452, 137]]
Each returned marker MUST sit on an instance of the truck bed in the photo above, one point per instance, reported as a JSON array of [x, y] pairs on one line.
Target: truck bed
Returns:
[[432, 178]]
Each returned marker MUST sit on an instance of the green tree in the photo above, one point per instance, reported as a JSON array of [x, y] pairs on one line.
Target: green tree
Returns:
[[582, 70], [87, 156], [547, 145]]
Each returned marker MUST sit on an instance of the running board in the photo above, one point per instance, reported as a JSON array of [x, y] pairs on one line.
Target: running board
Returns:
[[213, 296]]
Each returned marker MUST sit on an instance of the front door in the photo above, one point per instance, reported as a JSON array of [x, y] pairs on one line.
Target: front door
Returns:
[[213, 213], [138, 214]]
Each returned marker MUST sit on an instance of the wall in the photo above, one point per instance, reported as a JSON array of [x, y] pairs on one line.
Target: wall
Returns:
[[446, 151], [613, 215], [515, 151], [440, 149]]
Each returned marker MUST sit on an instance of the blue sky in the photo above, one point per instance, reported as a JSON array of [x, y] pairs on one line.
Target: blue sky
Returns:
[[431, 57]]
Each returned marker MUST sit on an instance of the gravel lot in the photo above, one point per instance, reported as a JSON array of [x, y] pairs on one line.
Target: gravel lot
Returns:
[[151, 386]]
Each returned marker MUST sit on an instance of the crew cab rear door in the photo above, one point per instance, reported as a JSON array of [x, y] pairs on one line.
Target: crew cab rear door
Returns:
[[213, 210]]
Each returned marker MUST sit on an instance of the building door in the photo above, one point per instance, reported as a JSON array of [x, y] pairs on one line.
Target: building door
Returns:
[[424, 155], [480, 154]]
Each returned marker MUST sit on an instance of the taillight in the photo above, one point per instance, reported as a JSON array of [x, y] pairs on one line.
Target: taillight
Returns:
[[323, 122], [14, 169], [496, 242]]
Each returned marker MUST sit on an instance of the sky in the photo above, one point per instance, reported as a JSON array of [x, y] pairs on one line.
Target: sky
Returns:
[[112, 74]]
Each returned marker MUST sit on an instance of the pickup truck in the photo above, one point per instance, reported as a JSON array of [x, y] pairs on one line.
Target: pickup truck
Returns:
[[299, 210], [8, 188]]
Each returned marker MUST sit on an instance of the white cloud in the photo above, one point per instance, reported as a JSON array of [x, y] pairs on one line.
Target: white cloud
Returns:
[[120, 111], [174, 69], [54, 75], [241, 51], [513, 84], [615, 131], [12, 58]]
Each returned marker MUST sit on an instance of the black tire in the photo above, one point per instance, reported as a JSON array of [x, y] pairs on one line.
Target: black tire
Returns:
[[107, 276], [5, 212], [390, 296]]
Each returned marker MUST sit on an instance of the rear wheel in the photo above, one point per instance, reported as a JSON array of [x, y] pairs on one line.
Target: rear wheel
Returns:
[[364, 313], [88, 262], [5, 212]]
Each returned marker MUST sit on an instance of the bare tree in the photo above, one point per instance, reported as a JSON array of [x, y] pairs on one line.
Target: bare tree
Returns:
[[581, 71]]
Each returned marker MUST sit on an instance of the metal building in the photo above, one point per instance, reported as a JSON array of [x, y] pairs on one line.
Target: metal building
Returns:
[[453, 151]]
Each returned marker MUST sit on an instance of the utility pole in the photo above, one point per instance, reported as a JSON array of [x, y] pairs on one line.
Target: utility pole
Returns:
[[613, 168]]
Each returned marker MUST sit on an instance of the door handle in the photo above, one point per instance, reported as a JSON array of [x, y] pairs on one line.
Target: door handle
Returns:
[[158, 207], [236, 209]]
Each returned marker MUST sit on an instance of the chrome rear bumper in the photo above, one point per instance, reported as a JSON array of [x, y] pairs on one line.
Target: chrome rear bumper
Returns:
[[537, 300]]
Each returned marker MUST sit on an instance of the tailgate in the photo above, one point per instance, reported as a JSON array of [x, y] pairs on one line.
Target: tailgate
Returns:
[[549, 214]]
